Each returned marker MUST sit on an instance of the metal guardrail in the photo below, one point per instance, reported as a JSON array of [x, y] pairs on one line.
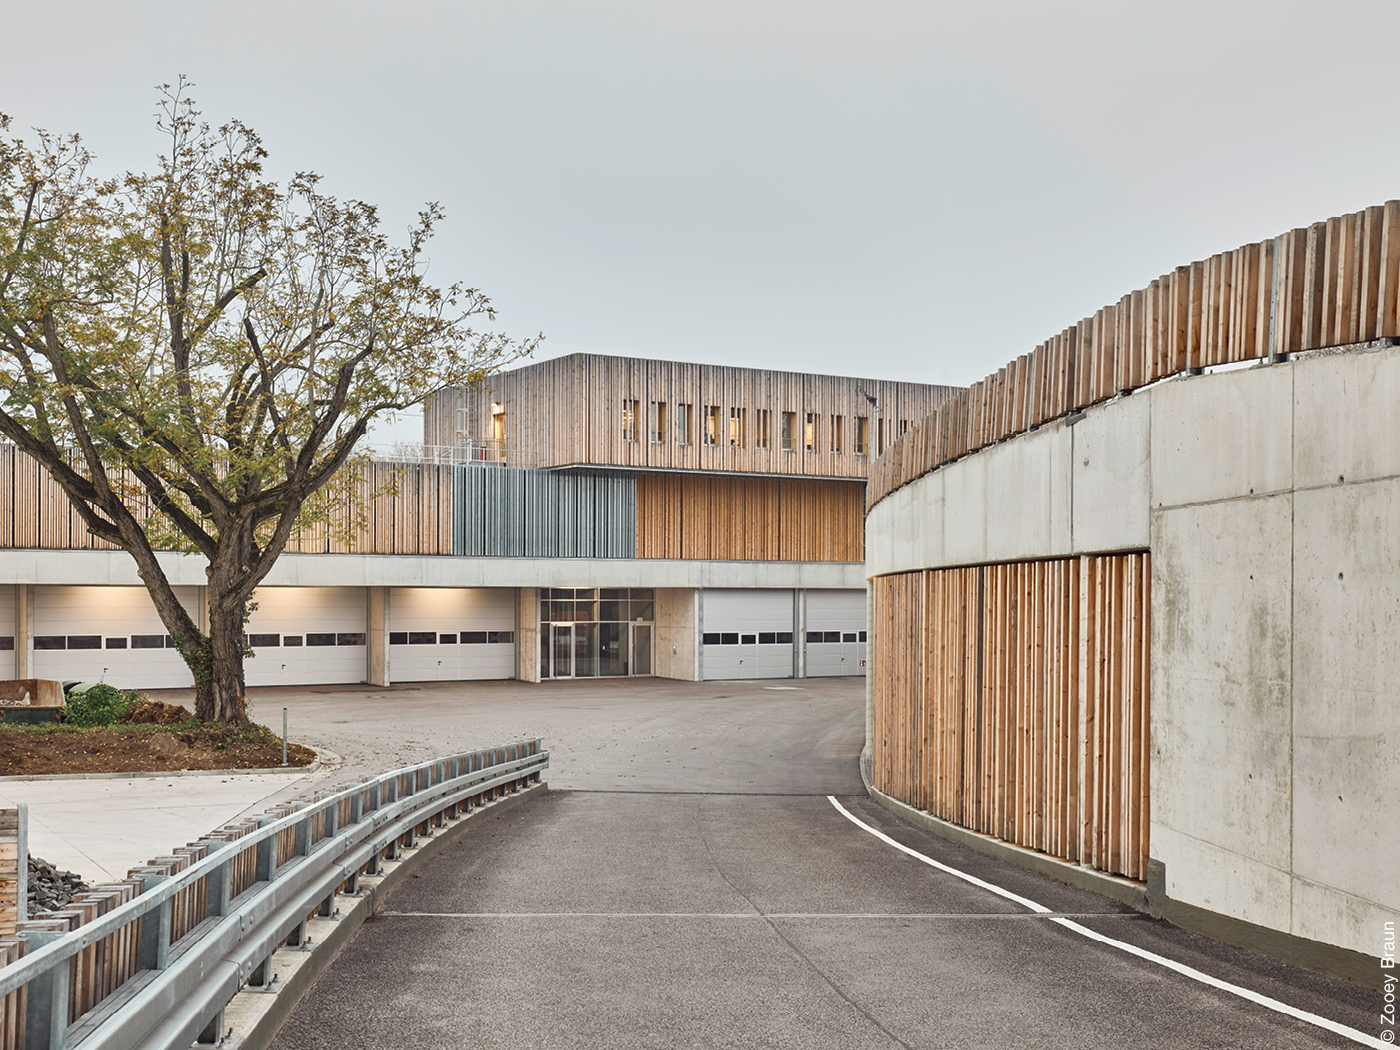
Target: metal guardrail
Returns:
[[158, 970]]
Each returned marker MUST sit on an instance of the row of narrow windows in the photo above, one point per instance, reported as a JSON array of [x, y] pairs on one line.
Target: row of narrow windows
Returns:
[[740, 428], [779, 637], [49, 642], [667, 422]]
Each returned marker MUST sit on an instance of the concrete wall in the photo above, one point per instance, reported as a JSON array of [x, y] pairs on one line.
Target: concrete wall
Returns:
[[677, 633], [1270, 499]]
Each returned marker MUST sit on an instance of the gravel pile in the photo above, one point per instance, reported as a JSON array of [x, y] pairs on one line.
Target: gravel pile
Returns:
[[51, 889]]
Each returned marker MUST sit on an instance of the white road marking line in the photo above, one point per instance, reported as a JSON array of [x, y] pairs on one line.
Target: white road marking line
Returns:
[[1142, 953], [978, 916]]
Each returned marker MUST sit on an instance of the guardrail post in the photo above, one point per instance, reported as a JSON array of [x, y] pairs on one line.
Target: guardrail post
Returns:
[[374, 796], [213, 1032], [303, 847], [154, 953], [267, 857], [535, 749], [332, 820], [357, 803], [261, 976], [46, 1016], [218, 887]]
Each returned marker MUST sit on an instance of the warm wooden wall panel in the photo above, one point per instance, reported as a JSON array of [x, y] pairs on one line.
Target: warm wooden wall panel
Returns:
[[1013, 700], [375, 508], [1335, 283], [729, 518], [569, 411]]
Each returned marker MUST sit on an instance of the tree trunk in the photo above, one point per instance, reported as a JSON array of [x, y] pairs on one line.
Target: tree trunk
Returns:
[[218, 688]]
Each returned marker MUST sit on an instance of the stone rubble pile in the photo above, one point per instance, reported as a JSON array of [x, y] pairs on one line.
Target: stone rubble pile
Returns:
[[51, 889]]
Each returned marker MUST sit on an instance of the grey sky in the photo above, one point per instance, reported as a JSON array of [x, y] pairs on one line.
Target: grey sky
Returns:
[[904, 190]]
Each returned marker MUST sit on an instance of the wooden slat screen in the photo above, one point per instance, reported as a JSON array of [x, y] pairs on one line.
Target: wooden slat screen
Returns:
[[1013, 700], [374, 508], [749, 519], [1335, 283], [573, 411]]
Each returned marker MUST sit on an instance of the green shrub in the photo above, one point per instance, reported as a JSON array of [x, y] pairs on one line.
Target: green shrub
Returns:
[[98, 705]]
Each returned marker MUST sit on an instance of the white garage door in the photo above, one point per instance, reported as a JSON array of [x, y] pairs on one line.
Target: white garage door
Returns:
[[835, 638], [747, 634], [451, 634], [307, 636], [107, 634]]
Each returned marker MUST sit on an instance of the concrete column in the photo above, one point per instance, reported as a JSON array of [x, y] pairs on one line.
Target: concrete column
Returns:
[[24, 630], [377, 637], [527, 634], [676, 641], [698, 635], [799, 634]]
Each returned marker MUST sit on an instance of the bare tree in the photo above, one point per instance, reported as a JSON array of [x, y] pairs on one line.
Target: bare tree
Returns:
[[210, 345]]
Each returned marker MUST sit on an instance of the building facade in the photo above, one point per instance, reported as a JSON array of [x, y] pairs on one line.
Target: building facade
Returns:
[[586, 516]]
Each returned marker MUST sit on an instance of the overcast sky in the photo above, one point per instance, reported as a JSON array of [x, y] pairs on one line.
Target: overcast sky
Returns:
[[912, 191]]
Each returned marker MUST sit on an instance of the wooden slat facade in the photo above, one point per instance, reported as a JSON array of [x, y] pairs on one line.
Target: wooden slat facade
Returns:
[[749, 519], [378, 508], [1334, 283], [1013, 700], [575, 411]]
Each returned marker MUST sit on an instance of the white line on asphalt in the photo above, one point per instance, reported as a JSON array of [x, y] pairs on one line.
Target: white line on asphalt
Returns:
[[1161, 960], [979, 916]]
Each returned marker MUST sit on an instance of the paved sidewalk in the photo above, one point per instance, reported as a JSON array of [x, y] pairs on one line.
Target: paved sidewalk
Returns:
[[100, 828]]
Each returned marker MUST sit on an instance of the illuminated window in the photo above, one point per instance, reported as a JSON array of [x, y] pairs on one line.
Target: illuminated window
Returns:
[[836, 435], [736, 428], [862, 436], [711, 435], [789, 433], [809, 439], [498, 422], [762, 428]]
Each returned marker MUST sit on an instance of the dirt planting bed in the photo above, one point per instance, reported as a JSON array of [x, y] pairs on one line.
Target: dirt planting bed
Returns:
[[40, 750]]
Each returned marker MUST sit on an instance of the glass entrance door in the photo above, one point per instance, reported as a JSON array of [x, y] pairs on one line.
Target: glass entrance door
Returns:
[[641, 649], [561, 650]]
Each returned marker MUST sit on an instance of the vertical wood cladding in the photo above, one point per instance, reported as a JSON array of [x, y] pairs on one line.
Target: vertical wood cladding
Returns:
[[1331, 284], [1013, 700], [574, 411], [372, 508], [749, 519]]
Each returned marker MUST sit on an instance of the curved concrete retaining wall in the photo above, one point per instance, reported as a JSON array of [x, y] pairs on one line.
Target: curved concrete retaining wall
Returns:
[[1269, 498]]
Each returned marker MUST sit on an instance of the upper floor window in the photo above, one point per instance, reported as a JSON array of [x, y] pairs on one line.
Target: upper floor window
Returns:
[[630, 422], [711, 432], [658, 422], [862, 436], [498, 422], [684, 423], [788, 437], [809, 438], [736, 428], [836, 433], [762, 428]]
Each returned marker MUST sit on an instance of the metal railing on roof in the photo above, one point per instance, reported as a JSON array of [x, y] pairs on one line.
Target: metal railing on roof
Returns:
[[481, 453]]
